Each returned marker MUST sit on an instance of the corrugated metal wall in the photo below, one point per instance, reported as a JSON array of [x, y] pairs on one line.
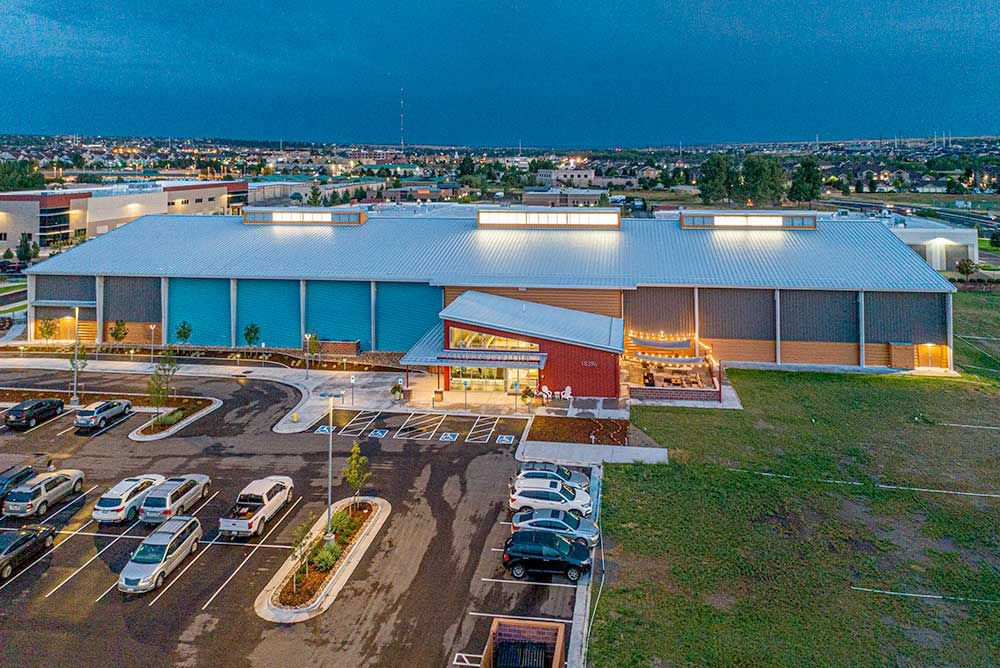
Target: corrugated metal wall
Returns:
[[654, 310], [202, 302], [274, 307], [952, 254], [906, 317], [340, 311], [736, 313], [819, 315], [65, 288], [404, 312], [133, 299]]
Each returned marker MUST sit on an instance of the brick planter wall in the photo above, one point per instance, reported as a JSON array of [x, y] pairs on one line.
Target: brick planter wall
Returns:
[[348, 348], [551, 634], [674, 393]]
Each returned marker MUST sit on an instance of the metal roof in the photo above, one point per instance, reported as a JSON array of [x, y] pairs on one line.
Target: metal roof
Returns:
[[551, 323], [442, 245]]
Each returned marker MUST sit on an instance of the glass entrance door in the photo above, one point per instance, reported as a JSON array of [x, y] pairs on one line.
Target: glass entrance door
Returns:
[[515, 380]]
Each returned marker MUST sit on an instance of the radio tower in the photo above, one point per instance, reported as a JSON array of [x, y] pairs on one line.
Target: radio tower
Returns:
[[401, 145]]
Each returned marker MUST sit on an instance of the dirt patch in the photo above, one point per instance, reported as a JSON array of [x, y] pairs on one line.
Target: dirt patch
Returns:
[[720, 600], [579, 430], [17, 395]]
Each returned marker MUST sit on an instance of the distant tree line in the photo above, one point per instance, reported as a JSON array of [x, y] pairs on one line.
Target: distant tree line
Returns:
[[759, 179], [20, 175]]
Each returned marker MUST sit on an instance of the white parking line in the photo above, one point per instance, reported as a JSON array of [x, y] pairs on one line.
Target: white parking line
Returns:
[[191, 563], [87, 563], [54, 548], [421, 421], [51, 419], [355, 428], [482, 429], [67, 505], [529, 582], [124, 418], [530, 619], [67, 429], [464, 659], [252, 552]]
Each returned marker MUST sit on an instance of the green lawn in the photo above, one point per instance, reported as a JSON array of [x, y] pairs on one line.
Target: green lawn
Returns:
[[713, 567], [977, 314], [6, 288]]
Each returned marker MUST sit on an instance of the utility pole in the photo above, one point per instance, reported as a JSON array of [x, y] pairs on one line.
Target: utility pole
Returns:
[[402, 148], [74, 400]]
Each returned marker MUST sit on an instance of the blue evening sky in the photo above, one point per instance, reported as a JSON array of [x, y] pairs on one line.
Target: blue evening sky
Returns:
[[547, 73]]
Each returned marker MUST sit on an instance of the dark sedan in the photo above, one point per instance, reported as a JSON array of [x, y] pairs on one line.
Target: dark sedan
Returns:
[[29, 413], [12, 477], [21, 547]]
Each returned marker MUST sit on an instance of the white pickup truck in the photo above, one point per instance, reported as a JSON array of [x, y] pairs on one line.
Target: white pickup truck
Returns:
[[256, 505]]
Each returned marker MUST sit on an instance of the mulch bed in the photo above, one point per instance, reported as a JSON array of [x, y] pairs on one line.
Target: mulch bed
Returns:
[[187, 407], [17, 395], [309, 584], [579, 430]]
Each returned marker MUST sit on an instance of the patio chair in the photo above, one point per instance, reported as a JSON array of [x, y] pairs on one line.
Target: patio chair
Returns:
[[546, 393], [567, 393]]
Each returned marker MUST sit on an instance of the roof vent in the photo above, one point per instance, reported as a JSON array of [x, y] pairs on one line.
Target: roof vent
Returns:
[[302, 215]]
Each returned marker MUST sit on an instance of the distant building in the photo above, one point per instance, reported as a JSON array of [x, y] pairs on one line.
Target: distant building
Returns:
[[563, 197], [576, 177]]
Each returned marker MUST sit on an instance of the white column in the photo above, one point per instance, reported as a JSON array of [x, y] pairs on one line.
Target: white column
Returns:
[[861, 328], [31, 308], [99, 292], [302, 311], [777, 326], [951, 335], [232, 312], [164, 307], [374, 290], [697, 323]]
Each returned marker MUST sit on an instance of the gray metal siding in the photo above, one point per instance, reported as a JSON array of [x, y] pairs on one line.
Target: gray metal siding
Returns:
[[65, 288], [87, 313], [736, 314], [906, 317], [132, 299], [952, 254], [819, 315], [652, 310], [919, 249]]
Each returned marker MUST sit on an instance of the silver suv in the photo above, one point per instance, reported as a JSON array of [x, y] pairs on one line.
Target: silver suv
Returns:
[[36, 495], [98, 414], [173, 496], [159, 554]]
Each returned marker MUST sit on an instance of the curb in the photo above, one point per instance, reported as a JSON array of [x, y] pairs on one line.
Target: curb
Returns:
[[264, 605], [136, 434]]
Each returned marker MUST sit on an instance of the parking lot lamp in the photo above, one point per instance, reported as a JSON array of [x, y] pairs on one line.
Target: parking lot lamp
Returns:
[[152, 333], [329, 467], [308, 342], [76, 353]]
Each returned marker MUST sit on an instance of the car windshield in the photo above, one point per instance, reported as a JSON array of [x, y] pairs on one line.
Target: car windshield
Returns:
[[563, 472], [6, 476], [24, 405], [108, 502], [6, 540], [85, 413], [567, 492], [155, 502], [563, 545], [149, 554], [250, 500], [19, 497], [571, 522]]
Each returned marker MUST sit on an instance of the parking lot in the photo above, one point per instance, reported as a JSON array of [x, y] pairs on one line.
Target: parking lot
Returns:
[[424, 594]]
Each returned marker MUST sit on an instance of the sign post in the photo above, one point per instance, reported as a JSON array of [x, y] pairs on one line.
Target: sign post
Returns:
[[465, 385], [353, 380]]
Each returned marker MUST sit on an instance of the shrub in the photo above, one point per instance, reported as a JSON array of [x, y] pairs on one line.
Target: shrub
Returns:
[[325, 557], [340, 522]]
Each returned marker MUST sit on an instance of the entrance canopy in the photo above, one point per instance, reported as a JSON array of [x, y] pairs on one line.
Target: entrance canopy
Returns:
[[430, 351]]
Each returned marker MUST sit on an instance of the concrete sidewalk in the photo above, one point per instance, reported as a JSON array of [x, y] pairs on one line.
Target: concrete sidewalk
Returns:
[[584, 454]]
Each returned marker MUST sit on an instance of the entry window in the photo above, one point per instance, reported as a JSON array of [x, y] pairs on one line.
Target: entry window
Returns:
[[478, 378], [467, 339]]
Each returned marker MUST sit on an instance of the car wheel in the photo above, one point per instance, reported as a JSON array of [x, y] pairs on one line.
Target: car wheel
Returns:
[[523, 510], [260, 529], [77, 486], [518, 571], [582, 541], [194, 547], [42, 507], [59, 410], [7, 570], [204, 491], [291, 493], [130, 515], [572, 574], [32, 422], [159, 581], [48, 541], [100, 425]]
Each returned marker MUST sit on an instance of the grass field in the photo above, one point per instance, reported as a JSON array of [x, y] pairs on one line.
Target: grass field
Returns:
[[977, 314], [713, 567]]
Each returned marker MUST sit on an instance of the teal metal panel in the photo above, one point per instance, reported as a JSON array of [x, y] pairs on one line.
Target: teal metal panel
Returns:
[[404, 312], [274, 307], [340, 311], [204, 304]]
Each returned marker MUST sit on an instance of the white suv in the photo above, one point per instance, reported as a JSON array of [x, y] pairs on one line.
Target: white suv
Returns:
[[36, 495], [122, 501], [173, 496], [549, 494]]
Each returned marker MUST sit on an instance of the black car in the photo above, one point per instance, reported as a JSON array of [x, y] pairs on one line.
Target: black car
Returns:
[[28, 413], [20, 547], [12, 477], [544, 552]]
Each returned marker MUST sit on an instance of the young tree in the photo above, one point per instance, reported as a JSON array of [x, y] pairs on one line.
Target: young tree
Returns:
[[300, 548], [119, 332], [356, 471], [35, 249], [183, 332], [47, 329], [24, 249], [806, 180], [251, 334], [158, 385], [966, 268], [8, 254], [315, 197]]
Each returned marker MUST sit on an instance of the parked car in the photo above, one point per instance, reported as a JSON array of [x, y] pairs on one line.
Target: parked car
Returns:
[[552, 494], [550, 471], [577, 529], [98, 414], [21, 546], [122, 502], [159, 554], [12, 477], [34, 496], [173, 496], [27, 414], [544, 552], [256, 505]]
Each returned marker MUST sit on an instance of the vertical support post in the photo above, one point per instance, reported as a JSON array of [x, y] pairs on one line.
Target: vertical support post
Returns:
[[302, 312], [777, 326], [951, 335], [697, 324], [99, 292], [861, 327], [374, 299], [164, 307], [232, 312], [31, 308]]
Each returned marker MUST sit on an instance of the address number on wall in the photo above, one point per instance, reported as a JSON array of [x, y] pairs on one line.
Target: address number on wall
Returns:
[[591, 363]]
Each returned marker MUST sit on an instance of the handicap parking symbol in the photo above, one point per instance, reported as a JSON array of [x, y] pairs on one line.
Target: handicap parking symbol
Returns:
[[323, 429], [449, 436], [505, 439], [378, 433]]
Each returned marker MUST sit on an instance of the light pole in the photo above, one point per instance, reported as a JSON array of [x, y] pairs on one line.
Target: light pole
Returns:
[[76, 353], [308, 348], [329, 467], [152, 333]]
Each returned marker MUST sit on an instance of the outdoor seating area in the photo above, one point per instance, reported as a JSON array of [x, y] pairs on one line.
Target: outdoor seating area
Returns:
[[657, 361]]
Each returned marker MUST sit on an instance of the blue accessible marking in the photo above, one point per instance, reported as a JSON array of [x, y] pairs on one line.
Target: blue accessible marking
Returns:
[[449, 436], [378, 433], [505, 439], [323, 429]]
